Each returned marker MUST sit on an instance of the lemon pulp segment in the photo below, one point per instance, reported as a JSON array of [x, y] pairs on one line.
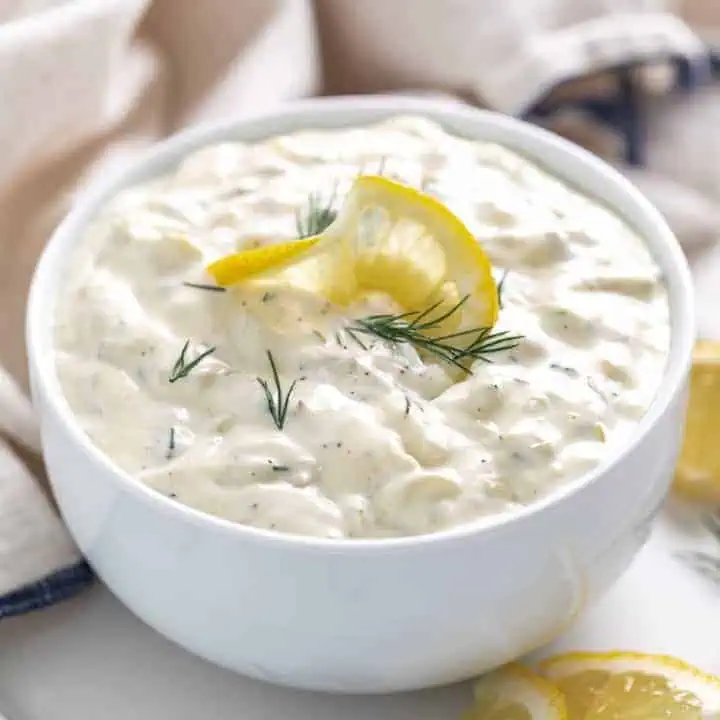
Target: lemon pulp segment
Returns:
[[623, 685]]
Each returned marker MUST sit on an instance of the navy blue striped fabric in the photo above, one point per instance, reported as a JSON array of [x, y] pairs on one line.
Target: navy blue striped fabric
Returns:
[[61, 585], [622, 114]]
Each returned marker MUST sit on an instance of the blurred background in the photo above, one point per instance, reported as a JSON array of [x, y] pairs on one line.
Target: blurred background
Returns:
[[87, 84]]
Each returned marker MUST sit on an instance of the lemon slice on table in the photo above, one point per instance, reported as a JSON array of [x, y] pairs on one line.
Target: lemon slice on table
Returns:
[[389, 238], [623, 685], [515, 693], [698, 470]]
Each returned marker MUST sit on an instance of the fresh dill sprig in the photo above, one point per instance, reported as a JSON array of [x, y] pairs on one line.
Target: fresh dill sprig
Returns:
[[501, 287], [205, 286], [414, 328], [408, 405], [705, 563], [182, 367], [351, 334], [712, 525], [278, 401], [316, 216], [171, 444], [565, 369]]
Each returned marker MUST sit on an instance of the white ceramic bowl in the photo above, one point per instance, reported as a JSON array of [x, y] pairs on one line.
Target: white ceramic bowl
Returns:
[[366, 615]]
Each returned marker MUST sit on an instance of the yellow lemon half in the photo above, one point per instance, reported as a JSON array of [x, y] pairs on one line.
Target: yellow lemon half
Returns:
[[623, 685], [698, 470], [515, 693], [389, 238]]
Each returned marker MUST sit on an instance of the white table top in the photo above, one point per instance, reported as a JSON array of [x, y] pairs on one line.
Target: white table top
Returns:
[[90, 658]]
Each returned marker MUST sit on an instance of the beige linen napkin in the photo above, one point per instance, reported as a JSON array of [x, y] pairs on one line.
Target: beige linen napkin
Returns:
[[87, 84]]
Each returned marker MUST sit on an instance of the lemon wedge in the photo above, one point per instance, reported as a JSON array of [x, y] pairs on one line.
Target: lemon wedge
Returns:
[[388, 238], [698, 470], [515, 693], [624, 685]]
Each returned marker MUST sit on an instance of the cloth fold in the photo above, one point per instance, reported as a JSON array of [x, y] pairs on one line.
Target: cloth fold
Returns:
[[88, 84]]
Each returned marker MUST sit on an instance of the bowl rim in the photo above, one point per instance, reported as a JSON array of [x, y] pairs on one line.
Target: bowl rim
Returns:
[[335, 112]]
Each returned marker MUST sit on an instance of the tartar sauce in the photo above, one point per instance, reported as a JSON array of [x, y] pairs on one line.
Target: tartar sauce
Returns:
[[377, 441]]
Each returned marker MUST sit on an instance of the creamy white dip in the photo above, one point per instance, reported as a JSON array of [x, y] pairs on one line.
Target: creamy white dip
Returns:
[[377, 442]]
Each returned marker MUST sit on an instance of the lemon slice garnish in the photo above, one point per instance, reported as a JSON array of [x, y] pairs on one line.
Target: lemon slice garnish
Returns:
[[622, 685], [239, 266], [515, 693], [387, 238], [698, 470]]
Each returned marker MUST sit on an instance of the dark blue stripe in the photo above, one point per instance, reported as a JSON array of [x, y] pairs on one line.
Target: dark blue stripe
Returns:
[[630, 118], [624, 113], [61, 585], [692, 73], [715, 63]]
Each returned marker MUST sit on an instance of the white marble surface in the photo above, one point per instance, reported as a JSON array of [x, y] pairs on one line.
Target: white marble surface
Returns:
[[90, 658]]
